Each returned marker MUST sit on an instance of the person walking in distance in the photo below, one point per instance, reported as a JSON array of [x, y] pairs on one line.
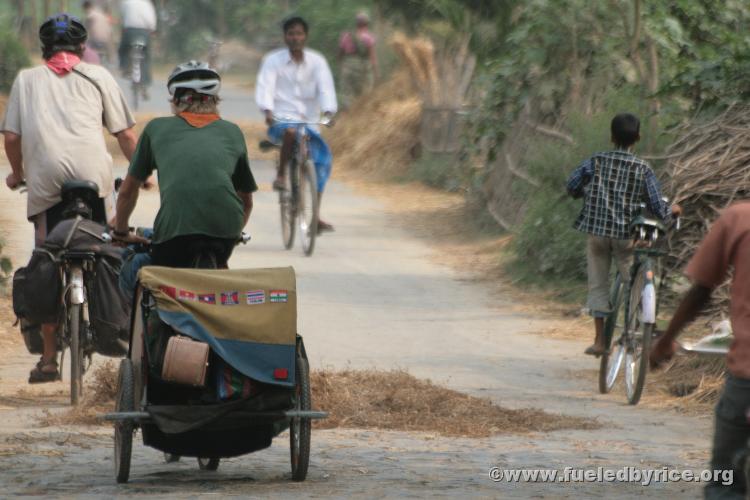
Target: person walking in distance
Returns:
[[357, 60]]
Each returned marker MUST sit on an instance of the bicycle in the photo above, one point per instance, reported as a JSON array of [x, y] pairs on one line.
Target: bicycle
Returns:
[[635, 305], [76, 270], [136, 59], [298, 201]]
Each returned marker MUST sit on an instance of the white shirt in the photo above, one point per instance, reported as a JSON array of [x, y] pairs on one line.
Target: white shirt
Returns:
[[138, 14], [59, 119], [296, 91]]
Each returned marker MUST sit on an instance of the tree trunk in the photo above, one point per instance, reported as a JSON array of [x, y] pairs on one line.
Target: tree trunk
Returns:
[[47, 8]]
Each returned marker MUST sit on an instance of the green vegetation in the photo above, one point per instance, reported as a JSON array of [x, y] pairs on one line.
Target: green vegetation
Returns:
[[13, 56]]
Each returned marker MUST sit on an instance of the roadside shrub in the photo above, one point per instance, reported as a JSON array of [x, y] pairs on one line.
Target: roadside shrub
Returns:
[[13, 56], [439, 170]]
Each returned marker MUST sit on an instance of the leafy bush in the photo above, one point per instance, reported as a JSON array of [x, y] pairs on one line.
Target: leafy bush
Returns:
[[440, 170], [13, 56]]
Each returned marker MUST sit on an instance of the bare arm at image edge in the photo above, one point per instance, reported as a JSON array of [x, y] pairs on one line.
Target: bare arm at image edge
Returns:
[[127, 141], [127, 197], [247, 206], [14, 153]]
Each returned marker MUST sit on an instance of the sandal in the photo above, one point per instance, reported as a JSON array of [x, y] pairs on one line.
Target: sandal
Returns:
[[39, 376], [324, 227], [594, 350]]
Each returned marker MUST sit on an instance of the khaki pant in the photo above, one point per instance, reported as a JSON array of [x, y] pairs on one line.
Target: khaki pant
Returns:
[[599, 252]]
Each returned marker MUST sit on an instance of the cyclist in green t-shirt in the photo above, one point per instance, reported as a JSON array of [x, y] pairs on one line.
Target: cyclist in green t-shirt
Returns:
[[205, 180]]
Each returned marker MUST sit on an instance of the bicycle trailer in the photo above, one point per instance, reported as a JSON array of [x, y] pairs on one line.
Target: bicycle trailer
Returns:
[[215, 367]]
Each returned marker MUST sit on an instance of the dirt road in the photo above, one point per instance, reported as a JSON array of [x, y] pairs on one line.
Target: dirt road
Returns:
[[371, 296]]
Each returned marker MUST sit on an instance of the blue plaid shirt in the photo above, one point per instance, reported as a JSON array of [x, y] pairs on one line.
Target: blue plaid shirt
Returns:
[[613, 184]]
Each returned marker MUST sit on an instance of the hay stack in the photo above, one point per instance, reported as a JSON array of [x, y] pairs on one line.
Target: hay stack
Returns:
[[708, 169], [378, 133]]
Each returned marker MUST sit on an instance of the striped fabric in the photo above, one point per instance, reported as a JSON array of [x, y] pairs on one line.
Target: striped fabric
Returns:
[[613, 184]]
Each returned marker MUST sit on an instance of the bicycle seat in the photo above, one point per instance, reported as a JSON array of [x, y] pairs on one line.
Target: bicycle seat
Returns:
[[87, 190], [202, 247]]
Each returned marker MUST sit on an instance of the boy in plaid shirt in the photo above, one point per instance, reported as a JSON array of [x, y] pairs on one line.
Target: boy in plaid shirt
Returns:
[[613, 184]]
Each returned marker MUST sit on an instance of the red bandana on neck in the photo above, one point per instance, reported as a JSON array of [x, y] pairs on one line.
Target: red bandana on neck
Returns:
[[62, 62], [199, 120]]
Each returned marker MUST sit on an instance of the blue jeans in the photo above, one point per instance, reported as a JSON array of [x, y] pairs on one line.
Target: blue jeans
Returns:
[[319, 151], [731, 434]]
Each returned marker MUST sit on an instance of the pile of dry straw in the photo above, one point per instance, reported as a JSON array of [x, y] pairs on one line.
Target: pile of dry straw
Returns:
[[391, 400], [380, 133], [708, 169]]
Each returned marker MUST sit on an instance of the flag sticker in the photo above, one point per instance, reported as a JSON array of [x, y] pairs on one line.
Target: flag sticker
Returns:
[[278, 296], [230, 298], [186, 295], [169, 290], [207, 298], [256, 297]]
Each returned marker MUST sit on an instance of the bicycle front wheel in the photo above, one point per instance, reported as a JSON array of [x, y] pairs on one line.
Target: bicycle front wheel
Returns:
[[610, 364], [287, 204], [307, 211], [640, 325], [76, 354]]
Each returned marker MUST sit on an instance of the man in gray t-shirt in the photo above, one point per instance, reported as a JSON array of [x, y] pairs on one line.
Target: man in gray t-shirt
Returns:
[[53, 133]]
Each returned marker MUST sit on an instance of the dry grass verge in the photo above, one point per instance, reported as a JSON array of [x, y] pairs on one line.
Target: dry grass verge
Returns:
[[392, 400]]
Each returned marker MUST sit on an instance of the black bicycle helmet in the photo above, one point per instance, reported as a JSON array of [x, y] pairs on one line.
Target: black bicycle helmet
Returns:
[[194, 75], [63, 32]]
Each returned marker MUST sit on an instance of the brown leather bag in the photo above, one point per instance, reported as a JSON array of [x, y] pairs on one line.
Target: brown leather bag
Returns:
[[185, 361]]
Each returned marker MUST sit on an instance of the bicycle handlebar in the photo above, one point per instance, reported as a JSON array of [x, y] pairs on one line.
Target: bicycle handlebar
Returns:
[[325, 121], [244, 238]]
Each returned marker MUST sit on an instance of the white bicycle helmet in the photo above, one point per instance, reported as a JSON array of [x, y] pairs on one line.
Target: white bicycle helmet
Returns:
[[194, 75]]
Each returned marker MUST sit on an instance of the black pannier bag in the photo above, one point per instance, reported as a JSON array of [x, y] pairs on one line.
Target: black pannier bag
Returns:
[[37, 288], [109, 308]]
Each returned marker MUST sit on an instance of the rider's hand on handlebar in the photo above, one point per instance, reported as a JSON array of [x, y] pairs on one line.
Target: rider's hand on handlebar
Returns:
[[269, 117], [676, 210], [129, 239], [328, 116], [13, 181]]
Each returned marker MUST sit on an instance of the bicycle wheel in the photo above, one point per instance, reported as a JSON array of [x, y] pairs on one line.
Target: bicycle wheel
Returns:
[[124, 428], [287, 204], [76, 353], [300, 428], [307, 207], [610, 364], [639, 337]]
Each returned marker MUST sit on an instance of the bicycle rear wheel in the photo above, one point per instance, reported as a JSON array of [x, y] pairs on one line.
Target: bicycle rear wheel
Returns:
[[639, 339], [76, 353], [610, 364], [287, 204], [307, 207]]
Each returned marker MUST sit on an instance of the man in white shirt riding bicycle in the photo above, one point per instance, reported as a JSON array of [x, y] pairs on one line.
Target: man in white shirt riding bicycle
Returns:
[[295, 84], [138, 22]]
